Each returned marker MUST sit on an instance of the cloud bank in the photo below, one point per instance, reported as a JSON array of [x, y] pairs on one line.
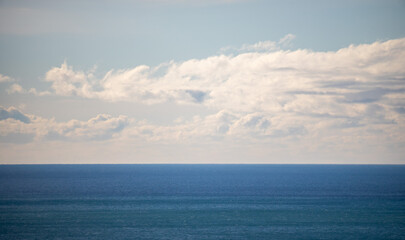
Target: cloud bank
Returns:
[[342, 84], [101, 127], [272, 100]]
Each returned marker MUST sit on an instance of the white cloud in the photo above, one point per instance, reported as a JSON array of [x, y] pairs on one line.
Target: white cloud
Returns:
[[101, 127], [286, 40], [16, 88], [4, 78], [301, 81], [267, 95], [221, 137], [267, 46], [293, 102], [262, 46]]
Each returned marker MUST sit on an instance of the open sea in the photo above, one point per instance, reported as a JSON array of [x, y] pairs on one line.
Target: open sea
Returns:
[[202, 202]]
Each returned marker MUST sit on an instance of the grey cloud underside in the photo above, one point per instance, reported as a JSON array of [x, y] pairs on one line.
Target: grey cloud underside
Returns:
[[400, 110], [358, 96], [198, 96]]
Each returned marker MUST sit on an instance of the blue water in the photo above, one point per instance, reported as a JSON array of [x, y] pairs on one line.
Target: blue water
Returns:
[[202, 202]]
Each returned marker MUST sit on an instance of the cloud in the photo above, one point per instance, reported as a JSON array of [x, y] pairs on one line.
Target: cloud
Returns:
[[370, 96], [14, 123], [16, 88], [346, 100], [286, 40], [13, 113], [217, 126], [266, 94], [255, 81], [262, 46], [259, 46], [224, 136], [4, 78], [101, 127]]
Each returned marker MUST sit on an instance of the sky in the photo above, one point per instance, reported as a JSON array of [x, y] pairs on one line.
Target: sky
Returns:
[[193, 81]]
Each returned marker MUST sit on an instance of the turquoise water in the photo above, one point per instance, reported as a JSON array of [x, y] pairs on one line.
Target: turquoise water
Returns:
[[202, 202]]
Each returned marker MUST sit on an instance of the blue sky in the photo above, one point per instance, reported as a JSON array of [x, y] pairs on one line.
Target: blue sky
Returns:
[[227, 81]]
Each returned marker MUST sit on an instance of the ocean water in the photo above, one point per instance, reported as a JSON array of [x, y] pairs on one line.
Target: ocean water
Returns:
[[202, 202]]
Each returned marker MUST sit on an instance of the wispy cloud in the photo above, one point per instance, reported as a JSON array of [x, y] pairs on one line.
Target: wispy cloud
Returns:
[[262, 46], [266, 46]]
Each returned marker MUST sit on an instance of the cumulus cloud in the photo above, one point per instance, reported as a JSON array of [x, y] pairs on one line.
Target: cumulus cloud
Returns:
[[4, 78], [16, 88], [350, 97], [266, 137], [334, 83], [221, 125], [102, 127]]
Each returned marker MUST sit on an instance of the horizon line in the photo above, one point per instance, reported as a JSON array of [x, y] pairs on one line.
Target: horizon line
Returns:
[[364, 164]]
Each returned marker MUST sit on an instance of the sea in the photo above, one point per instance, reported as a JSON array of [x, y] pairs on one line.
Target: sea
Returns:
[[202, 201]]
